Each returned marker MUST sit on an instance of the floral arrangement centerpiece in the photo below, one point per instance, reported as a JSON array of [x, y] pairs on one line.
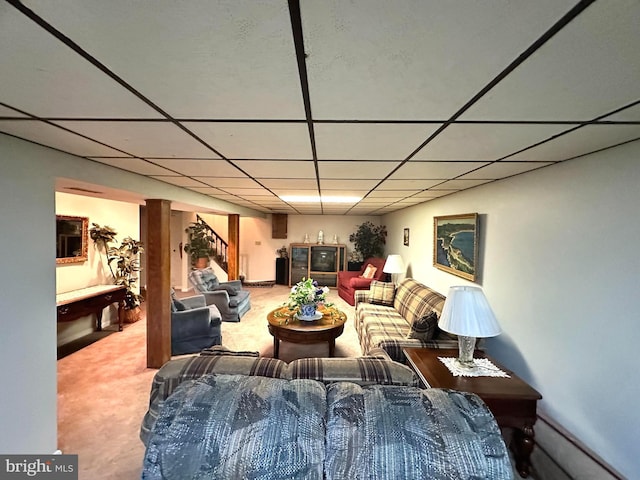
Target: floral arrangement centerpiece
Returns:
[[306, 296]]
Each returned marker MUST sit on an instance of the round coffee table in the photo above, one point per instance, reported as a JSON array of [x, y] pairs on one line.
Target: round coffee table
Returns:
[[284, 325]]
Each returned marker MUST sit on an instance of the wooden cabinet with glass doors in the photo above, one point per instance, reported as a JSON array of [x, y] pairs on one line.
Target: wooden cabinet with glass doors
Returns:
[[320, 262]]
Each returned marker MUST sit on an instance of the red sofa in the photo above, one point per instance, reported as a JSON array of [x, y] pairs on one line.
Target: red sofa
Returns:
[[349, 282]]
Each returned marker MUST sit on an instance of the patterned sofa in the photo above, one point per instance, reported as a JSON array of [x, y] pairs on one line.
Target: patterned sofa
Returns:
[[394, 318], [228, 416]]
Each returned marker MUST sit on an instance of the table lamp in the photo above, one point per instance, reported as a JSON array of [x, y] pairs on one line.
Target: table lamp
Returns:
[[467, 313], [393, 265]]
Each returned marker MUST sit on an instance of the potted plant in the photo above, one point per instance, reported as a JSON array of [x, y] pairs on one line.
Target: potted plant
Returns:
[[369, 240], [199, 245], [306, 296], [127, 266]]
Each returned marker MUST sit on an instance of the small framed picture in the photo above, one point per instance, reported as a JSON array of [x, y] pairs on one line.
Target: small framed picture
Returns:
[[406, 237]]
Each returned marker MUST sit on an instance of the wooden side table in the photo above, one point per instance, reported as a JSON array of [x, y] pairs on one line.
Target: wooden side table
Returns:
[[512, 402]]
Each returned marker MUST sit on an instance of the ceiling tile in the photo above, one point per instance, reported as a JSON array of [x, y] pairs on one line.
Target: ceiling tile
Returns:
[[390, 195], [357, 169], [197, 59], [135, 165], [579, 142], [427, 194], [142, 139], [369, 141], [503, 169], [255, 140], [570, 77], [52, 136], [293, 191], [484, 141], [277, 183], [459, 184], [44, 77], [278, 169], [350, 184], [631, 114], [245, 191], [434, 170], [10, 112], [326, 192], [374, 59], [179, 181], [408, 184], [199, 168], [226, 182]]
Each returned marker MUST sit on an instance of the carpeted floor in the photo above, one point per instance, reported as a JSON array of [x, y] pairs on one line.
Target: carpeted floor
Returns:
[[103, 389]]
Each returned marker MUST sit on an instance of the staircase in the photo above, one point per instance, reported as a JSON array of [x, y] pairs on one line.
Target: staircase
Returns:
[[219, 245]]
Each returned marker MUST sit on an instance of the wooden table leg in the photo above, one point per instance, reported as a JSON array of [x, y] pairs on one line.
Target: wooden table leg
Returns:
[[332, 347], [276, 347], [522, 448]]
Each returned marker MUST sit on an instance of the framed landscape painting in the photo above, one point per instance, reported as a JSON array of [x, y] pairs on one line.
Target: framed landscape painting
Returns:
[[455, 244]]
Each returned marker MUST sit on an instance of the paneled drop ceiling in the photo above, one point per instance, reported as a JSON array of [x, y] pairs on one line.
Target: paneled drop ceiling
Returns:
[[395, 102]]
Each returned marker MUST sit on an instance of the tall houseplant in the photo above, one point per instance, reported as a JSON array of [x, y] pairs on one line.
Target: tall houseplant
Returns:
[[127, 262], [369, 240], [125, 258], [199, 244]]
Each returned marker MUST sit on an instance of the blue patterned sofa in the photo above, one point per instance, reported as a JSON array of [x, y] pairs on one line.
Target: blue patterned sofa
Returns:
[[235, 417], [394, 318]]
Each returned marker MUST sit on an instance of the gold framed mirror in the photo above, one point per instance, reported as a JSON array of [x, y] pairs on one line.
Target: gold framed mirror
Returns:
[[72, 237]]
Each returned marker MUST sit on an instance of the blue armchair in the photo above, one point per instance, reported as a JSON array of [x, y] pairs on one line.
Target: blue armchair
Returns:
[[232, 301], [194, 325]]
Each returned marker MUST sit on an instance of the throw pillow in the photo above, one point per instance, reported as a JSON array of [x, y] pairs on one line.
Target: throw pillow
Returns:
[[424, 327], [369, 272], [178, 305], [381, 293]]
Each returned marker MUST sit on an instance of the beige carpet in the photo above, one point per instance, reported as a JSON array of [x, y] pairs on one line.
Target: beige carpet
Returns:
[[103, 389]]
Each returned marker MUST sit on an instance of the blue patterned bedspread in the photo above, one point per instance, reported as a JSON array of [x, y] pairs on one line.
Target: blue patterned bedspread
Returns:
[[249, 427]]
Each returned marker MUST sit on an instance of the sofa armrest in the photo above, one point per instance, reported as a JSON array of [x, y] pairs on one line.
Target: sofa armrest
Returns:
[[237, 284], [195, 301], [346, 275], [192, 323], [219, 298], [361, 296], [359, 282]]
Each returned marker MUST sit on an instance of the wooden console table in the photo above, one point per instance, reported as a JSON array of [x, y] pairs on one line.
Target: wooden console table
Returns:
[[87, 301], [512, 402]]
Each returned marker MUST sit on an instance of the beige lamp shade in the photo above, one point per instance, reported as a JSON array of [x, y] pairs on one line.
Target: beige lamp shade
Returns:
[[394, 264]]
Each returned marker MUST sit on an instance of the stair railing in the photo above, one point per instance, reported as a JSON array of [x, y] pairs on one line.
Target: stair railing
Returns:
[[219, 245]]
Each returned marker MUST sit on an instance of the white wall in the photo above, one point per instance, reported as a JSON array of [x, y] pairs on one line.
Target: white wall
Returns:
[[261, 250], [124, 218], [560, 269], [27, 302], [28, 414]]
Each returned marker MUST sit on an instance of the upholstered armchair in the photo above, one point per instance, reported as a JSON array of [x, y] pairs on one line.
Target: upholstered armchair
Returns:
[[230, 298], [194, 325], [349, 282]]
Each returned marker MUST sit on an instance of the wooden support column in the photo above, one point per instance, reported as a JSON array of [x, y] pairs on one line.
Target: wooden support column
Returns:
[[233, 252], [158, 299]]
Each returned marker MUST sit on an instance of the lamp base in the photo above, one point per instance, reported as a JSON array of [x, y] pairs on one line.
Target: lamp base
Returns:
[[466, 346]]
